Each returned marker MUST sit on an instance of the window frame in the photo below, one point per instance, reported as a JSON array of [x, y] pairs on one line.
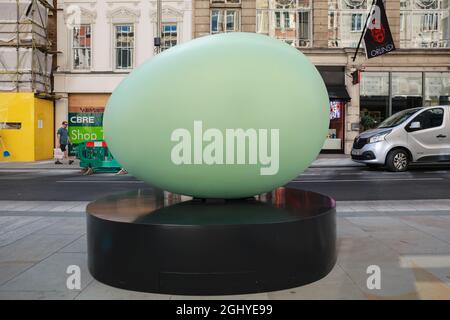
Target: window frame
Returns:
[[72, 49], [361, 23], [162, 34], [408, 129], [133, 49], [231, 2], [275, 24], [224, 19], [424, 27]]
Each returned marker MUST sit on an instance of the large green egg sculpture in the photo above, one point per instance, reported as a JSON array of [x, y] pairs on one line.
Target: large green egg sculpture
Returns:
[[223, 116]]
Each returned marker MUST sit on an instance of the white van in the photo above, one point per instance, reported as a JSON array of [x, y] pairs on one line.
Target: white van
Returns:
[[414, 135]]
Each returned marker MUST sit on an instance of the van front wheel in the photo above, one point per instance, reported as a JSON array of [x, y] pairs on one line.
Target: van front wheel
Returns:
[[397, 160]]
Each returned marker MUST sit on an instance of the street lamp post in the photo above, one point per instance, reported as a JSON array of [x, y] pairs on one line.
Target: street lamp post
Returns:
[[157, 40]]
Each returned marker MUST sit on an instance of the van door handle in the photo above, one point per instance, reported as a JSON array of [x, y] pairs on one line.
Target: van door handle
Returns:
[[441, 136]]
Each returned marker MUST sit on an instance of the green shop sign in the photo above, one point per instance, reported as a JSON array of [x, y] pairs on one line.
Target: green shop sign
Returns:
[[91, 119], [80, 134]]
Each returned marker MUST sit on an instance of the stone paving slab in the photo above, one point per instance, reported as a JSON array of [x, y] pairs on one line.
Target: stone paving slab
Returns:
[[412, 251], [50, 274], [341, 206]]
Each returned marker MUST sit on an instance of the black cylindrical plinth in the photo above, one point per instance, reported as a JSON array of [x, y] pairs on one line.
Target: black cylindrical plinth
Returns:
[[158, 242]]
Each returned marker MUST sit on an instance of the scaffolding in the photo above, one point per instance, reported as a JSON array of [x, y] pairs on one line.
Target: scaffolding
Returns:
[[25, 47]]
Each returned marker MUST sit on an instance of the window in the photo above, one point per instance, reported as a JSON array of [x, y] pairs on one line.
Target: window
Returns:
[[168, 36], [425, 24], [357, 23], [226, 1], [406, 90], [124, 46], [224, 20], [303, 26], [385, 93], [437, 88], [346, 20], [430, 22], [232, 20], [287, 20], [81, 47], [431, 118], [374, 98]]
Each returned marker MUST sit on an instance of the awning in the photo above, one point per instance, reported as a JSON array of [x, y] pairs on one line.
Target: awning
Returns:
[[338, 92]]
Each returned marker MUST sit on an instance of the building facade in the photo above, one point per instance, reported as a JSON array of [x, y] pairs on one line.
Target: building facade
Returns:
[[27, 43], [327, 31], [99, 43]]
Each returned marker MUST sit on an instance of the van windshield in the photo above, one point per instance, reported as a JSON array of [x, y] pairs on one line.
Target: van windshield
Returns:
[[398, 118]]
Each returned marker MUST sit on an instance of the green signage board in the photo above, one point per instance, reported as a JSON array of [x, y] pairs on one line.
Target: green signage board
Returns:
[[84, 126], [84, 119], [85, 133]]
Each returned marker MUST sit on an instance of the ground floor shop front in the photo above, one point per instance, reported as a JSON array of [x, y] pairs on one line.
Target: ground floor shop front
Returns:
[[387, 84]]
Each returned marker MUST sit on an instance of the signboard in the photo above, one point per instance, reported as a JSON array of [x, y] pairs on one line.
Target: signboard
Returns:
[[86, 117]]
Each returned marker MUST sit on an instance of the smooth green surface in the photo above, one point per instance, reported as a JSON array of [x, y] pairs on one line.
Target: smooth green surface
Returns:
[[227, 81]]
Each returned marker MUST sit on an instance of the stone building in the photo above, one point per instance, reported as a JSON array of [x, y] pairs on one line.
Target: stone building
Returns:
[[99, 43], [327, 31]]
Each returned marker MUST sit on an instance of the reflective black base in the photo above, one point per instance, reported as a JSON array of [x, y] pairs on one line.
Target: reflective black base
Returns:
[[159, 242]]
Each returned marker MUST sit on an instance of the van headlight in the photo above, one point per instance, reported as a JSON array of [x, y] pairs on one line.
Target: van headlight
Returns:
[[379, 137]]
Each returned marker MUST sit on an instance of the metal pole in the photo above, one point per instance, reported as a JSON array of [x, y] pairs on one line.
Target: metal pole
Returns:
[[157, 42], [364, 30], [18, 44]]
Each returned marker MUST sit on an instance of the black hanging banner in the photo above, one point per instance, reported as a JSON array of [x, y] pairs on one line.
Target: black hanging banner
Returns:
[[378, 38]]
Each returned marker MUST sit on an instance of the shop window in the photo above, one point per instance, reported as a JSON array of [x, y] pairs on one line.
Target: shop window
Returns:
[[424, 24], [223, 20], [406, 90], [124, 46], [287, 20], [335, 137], [169, 36], [437, 88], [374, 99], [81, 47]]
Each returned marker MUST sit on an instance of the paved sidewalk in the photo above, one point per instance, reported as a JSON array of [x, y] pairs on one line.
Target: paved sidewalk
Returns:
[[408, 240], [44, 164], [441, 206]]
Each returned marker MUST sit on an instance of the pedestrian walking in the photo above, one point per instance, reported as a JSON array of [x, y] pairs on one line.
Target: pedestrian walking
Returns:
[[63, 142]]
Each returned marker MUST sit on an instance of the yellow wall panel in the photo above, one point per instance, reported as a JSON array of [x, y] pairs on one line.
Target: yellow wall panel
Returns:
[[44, 128], [27, 143]]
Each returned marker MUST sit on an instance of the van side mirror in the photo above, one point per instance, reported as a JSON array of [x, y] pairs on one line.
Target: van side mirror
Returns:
[[415, 125]]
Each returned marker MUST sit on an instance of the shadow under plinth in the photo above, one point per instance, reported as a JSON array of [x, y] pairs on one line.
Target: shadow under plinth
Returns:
[[155, 241]]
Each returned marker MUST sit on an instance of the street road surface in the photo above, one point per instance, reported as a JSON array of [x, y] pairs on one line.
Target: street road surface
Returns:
[[342, 183]]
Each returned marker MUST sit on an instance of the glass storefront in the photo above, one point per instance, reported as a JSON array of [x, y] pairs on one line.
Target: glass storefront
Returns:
[[437, 88], [334, 78], [385, 93], [374, 98], [406, 90], [335, 137]]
